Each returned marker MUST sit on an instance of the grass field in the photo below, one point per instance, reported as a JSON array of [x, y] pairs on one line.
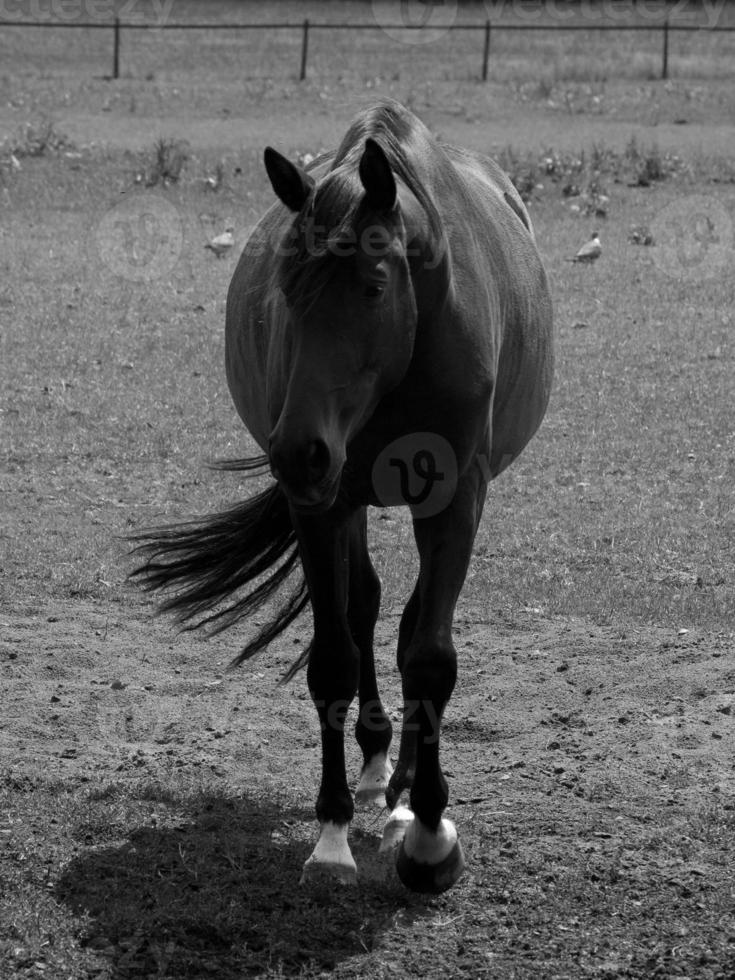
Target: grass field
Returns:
[[155, 810]]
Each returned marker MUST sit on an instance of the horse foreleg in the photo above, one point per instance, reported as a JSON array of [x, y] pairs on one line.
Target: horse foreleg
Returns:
[[430, 856], [332, 675]]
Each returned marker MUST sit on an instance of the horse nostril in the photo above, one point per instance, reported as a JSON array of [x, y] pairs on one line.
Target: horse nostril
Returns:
[[317, 459]]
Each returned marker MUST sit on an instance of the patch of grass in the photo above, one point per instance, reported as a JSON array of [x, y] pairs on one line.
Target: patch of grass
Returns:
[[169, 159], [583, 173], [40, 139], [647, 164], [714, 825]]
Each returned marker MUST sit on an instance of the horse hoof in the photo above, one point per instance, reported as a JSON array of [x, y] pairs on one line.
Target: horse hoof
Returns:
[[430, 878], [328, 872], [395, 828], [370, 796], [331, 860]]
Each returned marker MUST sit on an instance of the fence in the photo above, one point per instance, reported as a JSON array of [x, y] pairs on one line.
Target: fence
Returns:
[[306, 27]]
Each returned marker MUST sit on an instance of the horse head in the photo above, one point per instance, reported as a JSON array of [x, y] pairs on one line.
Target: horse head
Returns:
[[344, 274]]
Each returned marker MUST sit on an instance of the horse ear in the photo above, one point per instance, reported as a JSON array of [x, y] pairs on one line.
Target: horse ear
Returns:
[[377, 177], [291, 184]]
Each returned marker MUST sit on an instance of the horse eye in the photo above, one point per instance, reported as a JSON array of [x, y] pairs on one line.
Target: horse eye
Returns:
[[373, 290]]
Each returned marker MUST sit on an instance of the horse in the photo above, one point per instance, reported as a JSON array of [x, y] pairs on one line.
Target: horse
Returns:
[[388, 342]]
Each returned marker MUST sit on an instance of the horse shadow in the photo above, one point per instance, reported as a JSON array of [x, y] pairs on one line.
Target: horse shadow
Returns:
[[217, 894]]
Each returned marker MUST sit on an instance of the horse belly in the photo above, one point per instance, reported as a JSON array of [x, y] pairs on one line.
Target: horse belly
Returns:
[[523, 386]]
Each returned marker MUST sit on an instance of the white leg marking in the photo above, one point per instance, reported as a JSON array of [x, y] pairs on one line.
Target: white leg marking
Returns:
[[374, 781], [395, 828], [331, 856], [425, 846]]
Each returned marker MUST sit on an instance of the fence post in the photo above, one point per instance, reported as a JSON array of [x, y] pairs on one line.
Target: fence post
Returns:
[[486, 51], [116, 50], [304, 49], [665, 66]]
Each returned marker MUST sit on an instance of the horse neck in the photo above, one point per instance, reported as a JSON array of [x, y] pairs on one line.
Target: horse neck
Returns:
[[428, 254]]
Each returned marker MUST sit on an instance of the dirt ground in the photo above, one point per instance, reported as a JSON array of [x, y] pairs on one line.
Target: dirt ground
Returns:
[[591, 778], [85, 684]]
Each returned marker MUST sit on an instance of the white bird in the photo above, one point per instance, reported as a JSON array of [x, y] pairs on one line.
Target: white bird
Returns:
[[214, 181], [221, 244], [590, 251]]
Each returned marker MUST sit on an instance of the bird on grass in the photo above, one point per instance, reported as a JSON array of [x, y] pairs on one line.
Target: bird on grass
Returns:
[[589, 252], [221, 244], [214, 181]]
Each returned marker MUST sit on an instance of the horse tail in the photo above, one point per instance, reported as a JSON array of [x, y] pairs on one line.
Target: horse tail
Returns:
[[204, 562]]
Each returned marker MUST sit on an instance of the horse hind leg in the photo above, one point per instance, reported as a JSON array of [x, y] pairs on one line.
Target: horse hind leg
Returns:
[[402, 778], [374, 779]]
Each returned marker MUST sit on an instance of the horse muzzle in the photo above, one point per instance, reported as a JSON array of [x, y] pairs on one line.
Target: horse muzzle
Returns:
[[307, 470]]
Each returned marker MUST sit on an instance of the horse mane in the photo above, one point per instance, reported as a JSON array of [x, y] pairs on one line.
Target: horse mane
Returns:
[[331, 218]]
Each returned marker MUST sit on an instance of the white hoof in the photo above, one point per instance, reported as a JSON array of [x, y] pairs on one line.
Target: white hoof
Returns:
[[374, 781], [331, 858], [342, 874], [430, 847], [395, 828]]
